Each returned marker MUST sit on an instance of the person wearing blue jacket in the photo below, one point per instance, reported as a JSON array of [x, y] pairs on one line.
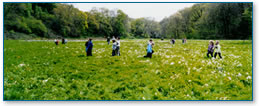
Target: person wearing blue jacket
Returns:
[[89, 47], [114, 47], [149, 49]]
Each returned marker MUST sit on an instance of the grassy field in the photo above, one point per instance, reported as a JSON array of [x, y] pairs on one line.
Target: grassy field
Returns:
[[44, 71]]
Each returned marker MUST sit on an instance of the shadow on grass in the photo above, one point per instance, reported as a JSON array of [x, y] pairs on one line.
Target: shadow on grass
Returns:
[[81, 55]]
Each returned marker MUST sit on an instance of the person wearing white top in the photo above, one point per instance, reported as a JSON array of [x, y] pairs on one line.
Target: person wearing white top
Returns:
[[217, 50], [118, 46]]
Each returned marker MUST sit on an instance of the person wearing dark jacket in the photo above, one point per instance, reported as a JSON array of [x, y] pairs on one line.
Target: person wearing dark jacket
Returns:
[[89, 47], [173, 41], [210, 49], [108, 40], [114, 47], [63, 40]]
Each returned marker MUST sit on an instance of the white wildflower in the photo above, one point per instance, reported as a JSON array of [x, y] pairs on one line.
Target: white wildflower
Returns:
[[229, 78], [220, 68], [143, 98], [239, 65], [21, 65], [248, 77], [172, 63], [239, 74], [45, 80]]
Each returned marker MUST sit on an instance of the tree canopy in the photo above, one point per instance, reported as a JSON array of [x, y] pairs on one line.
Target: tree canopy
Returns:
[[201, 21]]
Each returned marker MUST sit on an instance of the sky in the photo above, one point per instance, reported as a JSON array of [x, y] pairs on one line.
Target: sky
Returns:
[[158, 11]]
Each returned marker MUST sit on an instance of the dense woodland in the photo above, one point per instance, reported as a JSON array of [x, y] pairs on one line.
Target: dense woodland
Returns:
[[201, 21]]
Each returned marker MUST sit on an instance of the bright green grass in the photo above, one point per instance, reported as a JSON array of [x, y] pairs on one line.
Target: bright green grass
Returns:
[[44, 71]]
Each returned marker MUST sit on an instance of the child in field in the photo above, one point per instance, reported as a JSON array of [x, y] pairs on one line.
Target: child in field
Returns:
[[56, 41], [183, 41], [89, 47], [217, 50], [118, 46], [114, 46], [210, 48], [149, 49]]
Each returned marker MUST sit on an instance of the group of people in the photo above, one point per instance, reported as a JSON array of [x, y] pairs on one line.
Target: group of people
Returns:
[[115, 46], [150, 44], [211, 49], [64, 41], [183, 41]]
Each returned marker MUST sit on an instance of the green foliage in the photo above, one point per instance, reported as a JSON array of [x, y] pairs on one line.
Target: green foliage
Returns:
[[25, 18], [36, 26], [120, 24], [70, 21], [211, 21], [44, 71], [145, 28], [201, 21], [28, 26]]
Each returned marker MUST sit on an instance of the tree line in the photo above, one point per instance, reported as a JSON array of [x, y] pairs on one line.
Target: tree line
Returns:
[[201, 21]]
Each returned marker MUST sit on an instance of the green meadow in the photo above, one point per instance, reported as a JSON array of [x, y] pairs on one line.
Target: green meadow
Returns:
[[43, 71]]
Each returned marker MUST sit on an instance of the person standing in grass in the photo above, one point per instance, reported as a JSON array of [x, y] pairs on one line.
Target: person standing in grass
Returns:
[[108, 40], [210, 48], [89, 47], [114, 46], [56, 41], [149, 49], [63, 40], [173, 41], [217, 50], [118, 46]]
